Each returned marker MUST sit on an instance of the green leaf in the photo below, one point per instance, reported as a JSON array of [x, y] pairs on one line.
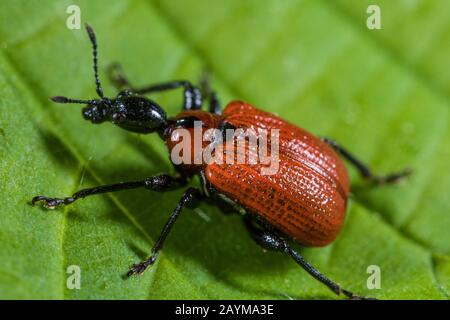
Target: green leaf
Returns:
[[382, 93]]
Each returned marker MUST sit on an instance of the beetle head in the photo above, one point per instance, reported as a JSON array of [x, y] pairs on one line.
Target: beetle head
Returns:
[[129, 111]]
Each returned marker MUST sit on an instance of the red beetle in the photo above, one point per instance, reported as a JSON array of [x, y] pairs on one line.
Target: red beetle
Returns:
[[303, 201]]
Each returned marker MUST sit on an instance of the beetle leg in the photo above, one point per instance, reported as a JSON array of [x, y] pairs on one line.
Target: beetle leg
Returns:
[[192, 97], [117, 76], [205, 88], [214, 104], [364, 170], [270, 240], [188, 198], [160, 182]]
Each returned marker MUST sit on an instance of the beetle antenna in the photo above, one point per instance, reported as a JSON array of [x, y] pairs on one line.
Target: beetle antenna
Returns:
[[61, 99], [93, 39]]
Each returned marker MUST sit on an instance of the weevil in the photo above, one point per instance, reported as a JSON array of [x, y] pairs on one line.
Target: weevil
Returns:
[[304, 202]]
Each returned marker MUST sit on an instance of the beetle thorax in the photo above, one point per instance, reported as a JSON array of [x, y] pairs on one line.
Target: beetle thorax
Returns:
[[188, 137]]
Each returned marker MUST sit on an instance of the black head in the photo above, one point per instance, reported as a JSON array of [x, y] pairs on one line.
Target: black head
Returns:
[[129, 111]]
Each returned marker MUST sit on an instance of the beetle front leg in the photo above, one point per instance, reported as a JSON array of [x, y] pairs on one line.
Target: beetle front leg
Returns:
[[364, 170], [269, 239], [192, 97], [160, 182], [188, 198]]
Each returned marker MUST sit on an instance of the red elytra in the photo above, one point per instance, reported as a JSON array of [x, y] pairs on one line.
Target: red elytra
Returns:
[[306, 199]]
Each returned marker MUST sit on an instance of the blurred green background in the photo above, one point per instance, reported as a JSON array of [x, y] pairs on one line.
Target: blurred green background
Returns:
[[382, 93]]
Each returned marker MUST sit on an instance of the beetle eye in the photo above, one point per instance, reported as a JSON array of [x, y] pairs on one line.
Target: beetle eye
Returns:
[[118, 117]]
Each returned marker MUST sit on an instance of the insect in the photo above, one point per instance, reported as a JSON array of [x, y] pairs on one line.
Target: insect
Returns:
[[304, 202]]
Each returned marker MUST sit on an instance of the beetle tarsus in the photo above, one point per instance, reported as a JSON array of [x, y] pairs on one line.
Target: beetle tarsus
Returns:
[[353, 296], [391, 178], [51, 203], [139, 268], [136, 269]]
